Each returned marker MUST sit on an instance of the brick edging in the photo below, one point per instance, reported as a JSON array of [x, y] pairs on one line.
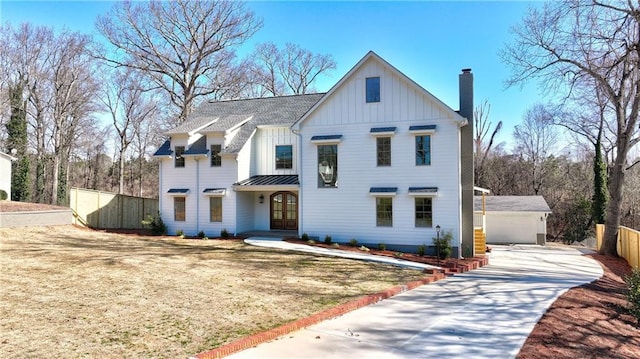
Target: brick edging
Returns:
[[255, 339]]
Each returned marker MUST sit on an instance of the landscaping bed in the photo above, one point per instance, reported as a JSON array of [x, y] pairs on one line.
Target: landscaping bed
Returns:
[[590, 321], [74, 292]]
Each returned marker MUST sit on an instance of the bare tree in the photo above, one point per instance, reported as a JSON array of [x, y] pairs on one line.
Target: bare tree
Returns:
[[183, 46], [291, 70], [566, 42], [482, 145], [535, 139]]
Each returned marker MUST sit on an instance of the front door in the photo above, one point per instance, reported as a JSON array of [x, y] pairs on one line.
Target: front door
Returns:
[[284, 210]]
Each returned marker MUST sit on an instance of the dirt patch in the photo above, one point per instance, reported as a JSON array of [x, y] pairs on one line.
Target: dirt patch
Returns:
[[590, 321], [12, 206], [72, 292]]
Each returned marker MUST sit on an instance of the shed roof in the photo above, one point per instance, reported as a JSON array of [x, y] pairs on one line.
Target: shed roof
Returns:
[[512, 204]]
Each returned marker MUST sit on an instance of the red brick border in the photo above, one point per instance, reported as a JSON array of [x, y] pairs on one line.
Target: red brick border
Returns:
[[253, 340]]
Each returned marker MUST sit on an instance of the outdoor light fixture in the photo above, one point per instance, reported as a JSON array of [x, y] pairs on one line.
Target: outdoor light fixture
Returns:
[[261, 198], [438, 245]]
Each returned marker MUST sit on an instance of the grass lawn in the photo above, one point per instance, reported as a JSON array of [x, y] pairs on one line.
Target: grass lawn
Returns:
[[71, 292]]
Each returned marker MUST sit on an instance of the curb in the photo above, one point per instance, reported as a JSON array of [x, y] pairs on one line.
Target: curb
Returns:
[[254, 340]]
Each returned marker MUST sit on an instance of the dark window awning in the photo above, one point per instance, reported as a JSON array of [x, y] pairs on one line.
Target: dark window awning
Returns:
[[178, 191], [423, 191], [326, 139], [382, 131], [268, 182], [213, 192], [383, 191], [422, 129]]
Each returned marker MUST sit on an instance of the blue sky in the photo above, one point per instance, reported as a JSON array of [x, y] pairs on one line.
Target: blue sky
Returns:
[[429, 41]]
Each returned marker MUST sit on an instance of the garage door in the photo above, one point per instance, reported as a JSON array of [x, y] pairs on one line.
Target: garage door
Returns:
[[507, 228]]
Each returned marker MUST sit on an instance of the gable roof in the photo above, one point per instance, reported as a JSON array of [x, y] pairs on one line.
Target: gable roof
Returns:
[[512, 204], [395, 71]]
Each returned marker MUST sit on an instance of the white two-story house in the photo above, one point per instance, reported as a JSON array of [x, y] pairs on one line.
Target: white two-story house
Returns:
[[377, 158]]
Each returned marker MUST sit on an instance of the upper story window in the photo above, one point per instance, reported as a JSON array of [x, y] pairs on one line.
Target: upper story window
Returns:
[[383, 151], [373, 89], [423, 150], [179, 159], [327, 166], [216, 160], [284, 157]]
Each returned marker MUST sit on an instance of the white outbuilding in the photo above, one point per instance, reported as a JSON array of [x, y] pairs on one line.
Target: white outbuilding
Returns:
[[5, 173], [515, 219]]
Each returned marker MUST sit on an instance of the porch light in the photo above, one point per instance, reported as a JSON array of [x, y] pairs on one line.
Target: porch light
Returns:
[[261, 198]]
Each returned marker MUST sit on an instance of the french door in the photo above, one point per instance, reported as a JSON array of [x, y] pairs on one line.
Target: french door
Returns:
[[284, 210]]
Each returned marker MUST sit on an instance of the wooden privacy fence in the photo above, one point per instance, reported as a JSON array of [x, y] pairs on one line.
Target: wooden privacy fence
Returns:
[[628, 244], [98, 209]]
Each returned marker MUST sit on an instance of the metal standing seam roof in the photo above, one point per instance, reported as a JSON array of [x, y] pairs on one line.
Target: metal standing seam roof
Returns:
[[214, 190], [383, 129], [423, 189], [422, 127], [164, 149], [269, 180], [178, 190], [326, 137], [388, 190], [512, 204]]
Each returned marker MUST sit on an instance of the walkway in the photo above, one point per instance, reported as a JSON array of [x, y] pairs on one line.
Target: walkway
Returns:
[[485, 313]]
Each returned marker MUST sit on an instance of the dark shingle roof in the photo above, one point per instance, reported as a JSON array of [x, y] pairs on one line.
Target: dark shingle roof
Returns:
[[269, 180], [250, 113], [512, 204], [164, 150], [197, 148]]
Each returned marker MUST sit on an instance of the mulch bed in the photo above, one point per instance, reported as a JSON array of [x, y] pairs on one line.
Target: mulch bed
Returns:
[[590, 321]]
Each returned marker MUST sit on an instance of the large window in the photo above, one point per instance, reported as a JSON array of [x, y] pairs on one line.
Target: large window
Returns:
[[284, 157], [384, 211], [179, 209], [216, 160], [327, 166], [384, 151], [179, 158], [424, 212], [215, 209], [373, 89], [423, 150]]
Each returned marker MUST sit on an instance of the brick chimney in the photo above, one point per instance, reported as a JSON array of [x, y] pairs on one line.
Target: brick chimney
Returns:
[[465, 81]]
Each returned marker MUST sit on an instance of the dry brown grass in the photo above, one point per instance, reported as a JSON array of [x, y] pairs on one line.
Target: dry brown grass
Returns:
[[70, 292]]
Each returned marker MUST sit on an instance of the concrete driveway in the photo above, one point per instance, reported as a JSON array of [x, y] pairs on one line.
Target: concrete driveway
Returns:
[[485, 313]]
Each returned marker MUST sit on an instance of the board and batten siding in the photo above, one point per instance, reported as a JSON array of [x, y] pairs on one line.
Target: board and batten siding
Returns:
[[264, 150], [349, 211]]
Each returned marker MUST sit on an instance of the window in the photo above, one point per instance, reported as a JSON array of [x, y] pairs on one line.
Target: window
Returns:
[[179, 209], [216, 160], [424, 212], [179, 159], [327, 166], [384, 211], [423, 150], [215, 209], [284, 157], [373, 89], [384, 151]]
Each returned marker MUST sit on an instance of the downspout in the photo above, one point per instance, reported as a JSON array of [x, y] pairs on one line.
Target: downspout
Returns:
[[160, 189], [300, 181], [197, 195]]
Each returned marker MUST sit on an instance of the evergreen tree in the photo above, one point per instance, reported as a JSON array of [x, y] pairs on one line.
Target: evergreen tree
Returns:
[[17, 139]]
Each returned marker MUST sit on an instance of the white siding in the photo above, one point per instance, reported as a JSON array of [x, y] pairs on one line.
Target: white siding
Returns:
[[5, 175], [264, 150], [349, 211]]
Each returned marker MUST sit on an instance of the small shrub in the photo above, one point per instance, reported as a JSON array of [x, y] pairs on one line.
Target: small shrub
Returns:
[[335, 245], [180, 233], [421, 250], [327, 239], [311, 241], [3, 195], [201, 234], [398, 254], [633, 296], [353, 242], [158, 228], [224, 233], [364, 249], [443, 245], [382, 246], [305, 237]]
